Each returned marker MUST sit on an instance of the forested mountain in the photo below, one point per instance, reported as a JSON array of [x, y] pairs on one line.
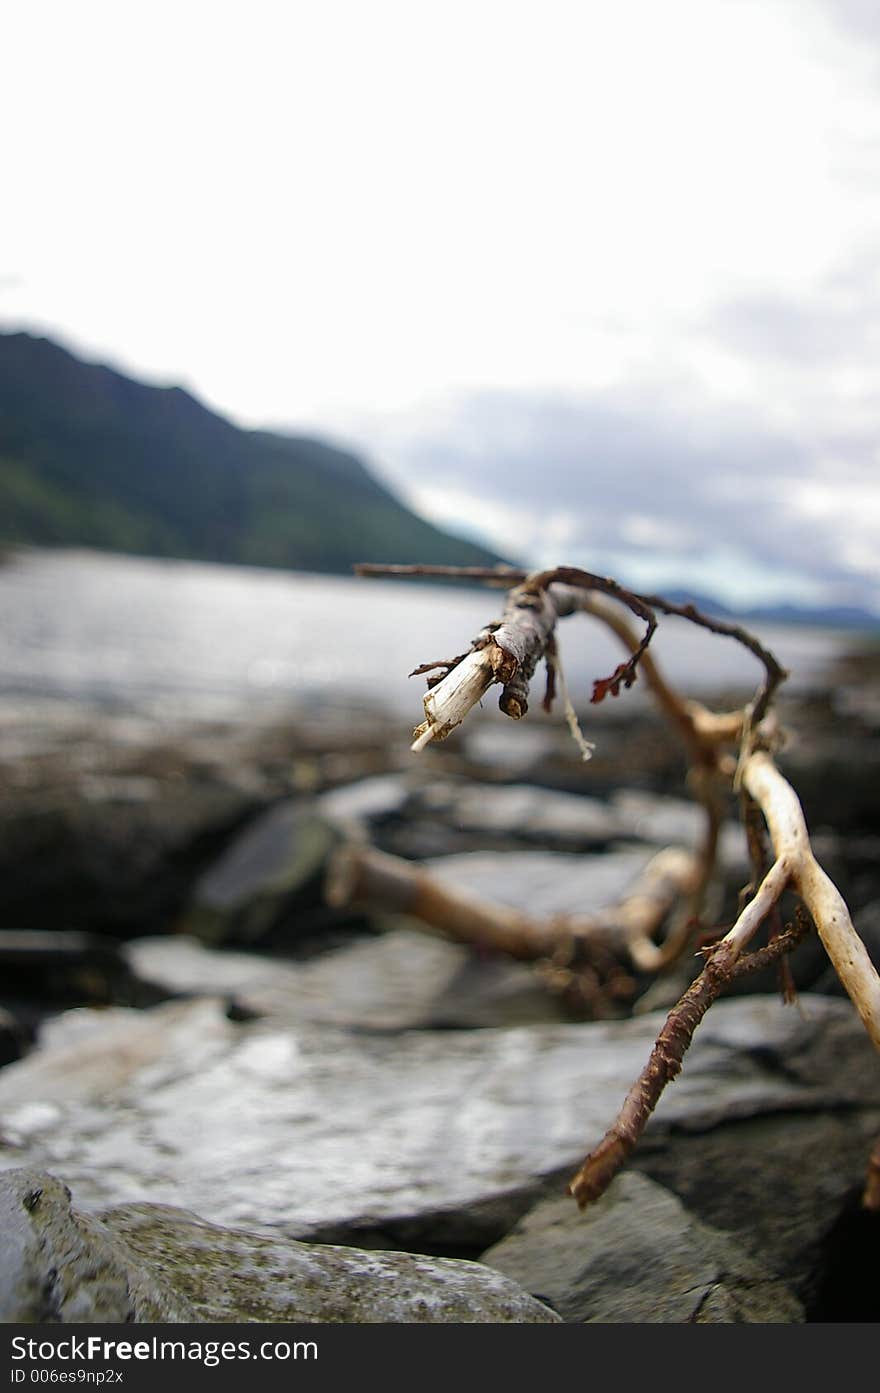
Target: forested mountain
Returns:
[[89, 457]]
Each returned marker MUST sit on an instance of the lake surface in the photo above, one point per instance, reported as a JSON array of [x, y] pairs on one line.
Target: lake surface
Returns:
[[203, 641]]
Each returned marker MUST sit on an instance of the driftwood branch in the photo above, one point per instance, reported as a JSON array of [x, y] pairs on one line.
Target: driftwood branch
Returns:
[[795, 867], [791, 843], [509, 649], [624, 931], [563, 580], [489, 575], [601, 1166], [727, 752]]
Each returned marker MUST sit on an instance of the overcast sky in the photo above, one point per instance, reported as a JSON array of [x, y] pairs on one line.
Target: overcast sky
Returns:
[[597, 281]]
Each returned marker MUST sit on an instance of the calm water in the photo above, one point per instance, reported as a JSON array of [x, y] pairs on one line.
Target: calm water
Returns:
[[203, 640]]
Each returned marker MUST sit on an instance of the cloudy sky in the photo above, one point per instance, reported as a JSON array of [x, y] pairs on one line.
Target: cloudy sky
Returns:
[[598, 282]]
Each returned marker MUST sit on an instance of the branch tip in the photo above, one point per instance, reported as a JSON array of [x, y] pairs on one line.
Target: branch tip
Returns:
[[424, 735]]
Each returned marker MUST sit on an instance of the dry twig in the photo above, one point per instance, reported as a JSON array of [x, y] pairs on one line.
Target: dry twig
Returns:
[[507, 651], [602, 1164], [622, 933]]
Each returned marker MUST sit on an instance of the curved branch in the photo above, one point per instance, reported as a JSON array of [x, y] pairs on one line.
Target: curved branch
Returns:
[[360, 874], [565, 590], [788, 833], [774, 673], [621, 1139], [585, 580], [642, 605], [795, 866]]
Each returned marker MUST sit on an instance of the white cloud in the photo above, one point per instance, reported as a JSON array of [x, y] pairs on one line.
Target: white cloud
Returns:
[[362, 218]]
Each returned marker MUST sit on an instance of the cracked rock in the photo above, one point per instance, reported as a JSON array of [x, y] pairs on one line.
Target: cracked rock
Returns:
[[309, 1129], [637, 1255]]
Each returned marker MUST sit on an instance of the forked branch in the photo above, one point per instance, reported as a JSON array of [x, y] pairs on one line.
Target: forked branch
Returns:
[[601, 1166], [621, 936], [507, 651]]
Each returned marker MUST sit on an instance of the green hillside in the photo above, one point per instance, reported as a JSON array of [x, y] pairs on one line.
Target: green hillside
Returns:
[[91, 458]]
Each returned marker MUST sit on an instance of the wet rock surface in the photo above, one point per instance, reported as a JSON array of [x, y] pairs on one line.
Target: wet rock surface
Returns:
[[108, 818], [302, 1081], [317, 1131], [638, 1255], [107, 860], [544, 882], [400, 980], [268, 884], [787, 1188], [154, 1263], [114, 823], [232, 1275]]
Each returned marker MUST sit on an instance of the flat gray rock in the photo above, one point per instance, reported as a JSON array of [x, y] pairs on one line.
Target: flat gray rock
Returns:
[[787, 1188], [364, 802], [637, 1255], [651, 817], [573, 820], [402, 980], [309, 1129], [545, 882], [518, 748], [232, 1275], [273, 869], [160, 1264], [520, 810]]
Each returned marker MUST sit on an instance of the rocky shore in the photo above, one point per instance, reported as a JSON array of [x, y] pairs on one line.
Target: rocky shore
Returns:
[[225, 1099]]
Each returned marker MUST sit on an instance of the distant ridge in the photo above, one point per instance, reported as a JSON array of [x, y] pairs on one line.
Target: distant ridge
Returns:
[[827, 616], [90, 457]]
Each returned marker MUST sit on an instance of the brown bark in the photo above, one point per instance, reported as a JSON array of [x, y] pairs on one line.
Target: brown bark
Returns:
[[362, 875], [601, 1166], [521, 638]]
